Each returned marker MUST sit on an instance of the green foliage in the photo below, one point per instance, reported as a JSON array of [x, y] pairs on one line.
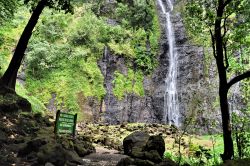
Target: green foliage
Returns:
[[63, 52], [64, 5], [139, 22], [102, 8], [199, 17], [145, 60], [96, 33], [195, 154], [43, 57], [136, 14], [3, 59], [87, 30], [241, 133], [36, 104], [132, 83], [79, 76], [9, 34], [155, 34], [7, 8], [202, 158], [52, 27]]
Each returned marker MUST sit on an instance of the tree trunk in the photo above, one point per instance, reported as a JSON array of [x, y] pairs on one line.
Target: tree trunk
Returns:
[[8, 80], [225, 115], [226, 126], [223, 86]]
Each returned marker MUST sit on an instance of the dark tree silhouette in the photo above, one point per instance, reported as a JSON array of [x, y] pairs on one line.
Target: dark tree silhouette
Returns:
[[215, 16], [220, 55], [8, 80]]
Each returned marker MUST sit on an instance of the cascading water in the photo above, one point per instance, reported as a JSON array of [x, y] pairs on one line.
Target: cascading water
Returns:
[[171, 105]]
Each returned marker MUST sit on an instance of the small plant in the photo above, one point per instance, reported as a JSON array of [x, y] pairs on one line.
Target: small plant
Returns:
[[241, 133]]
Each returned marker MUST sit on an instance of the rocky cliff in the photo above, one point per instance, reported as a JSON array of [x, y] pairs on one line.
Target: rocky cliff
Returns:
[[196, 84], [191, 86]]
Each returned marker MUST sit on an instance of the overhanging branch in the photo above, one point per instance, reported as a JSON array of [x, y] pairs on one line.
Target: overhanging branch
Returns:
[[238, 78], [224, 25], [213, 43]]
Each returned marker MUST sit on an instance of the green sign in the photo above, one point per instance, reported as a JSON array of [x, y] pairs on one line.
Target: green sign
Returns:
[[65, 123]]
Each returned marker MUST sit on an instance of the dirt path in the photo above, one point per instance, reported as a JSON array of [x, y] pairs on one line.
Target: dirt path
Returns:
[[103, 157]]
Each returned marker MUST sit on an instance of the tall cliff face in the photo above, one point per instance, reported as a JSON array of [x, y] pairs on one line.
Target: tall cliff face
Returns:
[[191, 84], [132, 108]]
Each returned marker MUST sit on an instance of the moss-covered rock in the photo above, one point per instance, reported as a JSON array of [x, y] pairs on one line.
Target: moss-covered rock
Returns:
[[83, 148], [57, 155], [26, 138], [11, 102], [131, 161], [140, 145], [135, 142], [239, 162], [32, 146], [155, 143], [153, 156]]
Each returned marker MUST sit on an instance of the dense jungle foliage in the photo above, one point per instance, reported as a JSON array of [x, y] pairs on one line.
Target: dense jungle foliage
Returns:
[[63, 53]]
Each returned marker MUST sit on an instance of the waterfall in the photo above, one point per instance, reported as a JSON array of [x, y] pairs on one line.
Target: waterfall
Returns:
[[171, 105]]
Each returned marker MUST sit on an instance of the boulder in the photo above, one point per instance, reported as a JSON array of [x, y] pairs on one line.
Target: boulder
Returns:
[[142, 147], [239, 162], [167, 162], [83, 148], [24, 104], [57, 155], [153, 155], [135, 142], [60, 151], [49, 164], [32, 146], [11, 102], [125, 161], [155, 143], [131, 161]]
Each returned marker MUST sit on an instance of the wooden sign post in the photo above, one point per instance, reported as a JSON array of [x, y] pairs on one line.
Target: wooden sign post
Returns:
[[65, 123]]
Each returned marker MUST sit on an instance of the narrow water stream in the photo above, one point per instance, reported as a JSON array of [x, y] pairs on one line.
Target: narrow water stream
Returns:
[[171, 104]]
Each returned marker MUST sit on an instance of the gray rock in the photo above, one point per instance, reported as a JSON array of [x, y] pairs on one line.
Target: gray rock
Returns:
[[134, 162], [3, 137], [83, 148], [135, 142], [141, 146], [167, 162], [155, 143], [132, 108], [32, 146], [49, 164], [12, 102], [57, 155]]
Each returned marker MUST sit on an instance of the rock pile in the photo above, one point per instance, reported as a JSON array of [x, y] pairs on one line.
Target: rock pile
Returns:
[[144, 150], [27, 139], [111, 136]]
